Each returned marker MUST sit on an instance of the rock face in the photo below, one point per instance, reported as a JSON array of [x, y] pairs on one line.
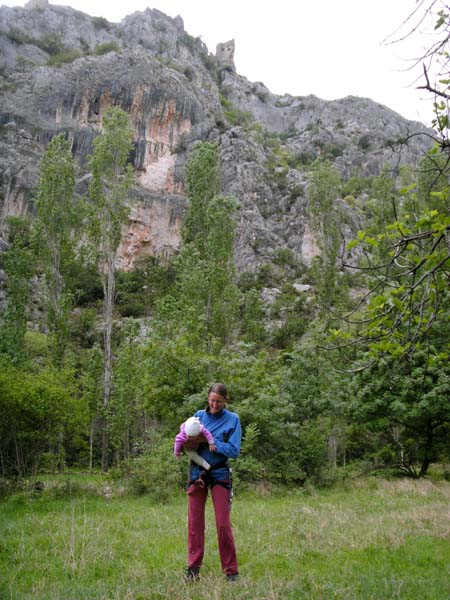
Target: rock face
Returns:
[[225, 55], [60, 69]]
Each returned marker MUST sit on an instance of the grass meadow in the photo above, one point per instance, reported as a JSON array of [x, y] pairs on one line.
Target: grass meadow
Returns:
[[367, 539]]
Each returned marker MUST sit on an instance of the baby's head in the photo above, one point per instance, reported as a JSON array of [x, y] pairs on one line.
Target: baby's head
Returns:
[[192, 427]]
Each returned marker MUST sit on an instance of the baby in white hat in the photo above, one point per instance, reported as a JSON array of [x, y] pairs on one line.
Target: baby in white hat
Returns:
[[192, 433]]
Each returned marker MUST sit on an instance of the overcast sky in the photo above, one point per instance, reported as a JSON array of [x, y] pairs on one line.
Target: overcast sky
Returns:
[[331, 48]]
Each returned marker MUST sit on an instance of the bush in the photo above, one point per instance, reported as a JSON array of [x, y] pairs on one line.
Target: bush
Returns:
[[87, 285], [289, 332], [51, 43], [132, 308], [17, 37], [61, 58], [156, 472], [107, 47], [101, 23], [82, 326]]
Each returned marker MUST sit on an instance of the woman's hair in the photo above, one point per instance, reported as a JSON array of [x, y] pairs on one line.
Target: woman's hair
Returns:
[[219, 388]]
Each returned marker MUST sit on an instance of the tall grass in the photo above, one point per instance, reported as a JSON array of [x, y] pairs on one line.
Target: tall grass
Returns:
[[374, 539]]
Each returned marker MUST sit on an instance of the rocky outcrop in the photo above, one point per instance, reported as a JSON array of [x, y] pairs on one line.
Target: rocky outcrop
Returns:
[[60, 69]]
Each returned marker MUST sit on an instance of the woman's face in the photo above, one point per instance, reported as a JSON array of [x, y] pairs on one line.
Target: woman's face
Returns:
[[215, 402]]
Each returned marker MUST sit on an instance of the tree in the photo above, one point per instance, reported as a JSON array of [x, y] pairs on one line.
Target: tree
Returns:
[[111, 181], [34, 407], [126, 415], [202, 184], [56, 224], [407, 265], [205, 296], [408, 401], [326, 218], [413, 249], [19, 264]]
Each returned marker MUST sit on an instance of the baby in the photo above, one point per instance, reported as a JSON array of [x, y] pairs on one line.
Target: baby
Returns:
[[192, 433]]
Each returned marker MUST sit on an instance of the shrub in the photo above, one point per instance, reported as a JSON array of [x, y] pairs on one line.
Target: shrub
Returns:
[[87, 286], [289, 332], [285, 257], [155, 472], [304, 158], [101, 23], [132, 308], [364, 142], [188, 41], [51, 43], [237, 117], [18, 37], [82, 326], [107, 47], [189, 73], [61, 58]]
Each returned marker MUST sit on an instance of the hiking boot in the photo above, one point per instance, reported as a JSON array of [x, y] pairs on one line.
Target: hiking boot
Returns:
[[192, 573], [232, 576]]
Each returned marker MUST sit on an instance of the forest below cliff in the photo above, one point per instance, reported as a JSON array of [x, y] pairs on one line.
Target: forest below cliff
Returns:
[[339, 362], [342, 370]]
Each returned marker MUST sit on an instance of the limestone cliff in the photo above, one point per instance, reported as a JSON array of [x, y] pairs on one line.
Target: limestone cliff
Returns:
[[60, 69]]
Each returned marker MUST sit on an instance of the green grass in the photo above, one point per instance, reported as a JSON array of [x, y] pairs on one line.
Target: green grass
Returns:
[[372, 539]]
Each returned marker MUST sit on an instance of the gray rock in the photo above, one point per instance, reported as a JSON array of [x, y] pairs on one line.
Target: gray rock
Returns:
[[177, 93]]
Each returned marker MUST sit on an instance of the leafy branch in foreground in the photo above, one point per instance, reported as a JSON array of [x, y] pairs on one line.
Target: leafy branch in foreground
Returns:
[[407, 267]]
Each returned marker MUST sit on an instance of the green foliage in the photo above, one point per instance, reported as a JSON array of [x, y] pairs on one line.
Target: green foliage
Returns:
[[56, 229], [202, 184], [154, 472], [252, 318], [206, 299], [138, 291], [64, 57], [18, 37], [35, 409], [106, 47], [125, 412], [238, 118], [83, 327], [19, 265], [101, 23], [87, 284], [189, 41], [173, 370], [410, 405], [51, 43], [111, 180], [326, 219], [410, 292]]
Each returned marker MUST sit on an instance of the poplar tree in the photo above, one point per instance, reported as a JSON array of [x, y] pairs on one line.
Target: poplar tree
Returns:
[[56, 226], [110, 184], [18, 263], [206, 266], [325, 214]]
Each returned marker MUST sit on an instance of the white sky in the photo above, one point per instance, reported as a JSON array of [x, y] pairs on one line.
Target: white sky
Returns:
[[331, 48]]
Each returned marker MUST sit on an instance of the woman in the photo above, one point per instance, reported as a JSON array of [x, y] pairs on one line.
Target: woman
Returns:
[[226, 430]]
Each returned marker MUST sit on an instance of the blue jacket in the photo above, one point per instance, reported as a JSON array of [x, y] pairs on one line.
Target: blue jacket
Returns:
[[225, 427]]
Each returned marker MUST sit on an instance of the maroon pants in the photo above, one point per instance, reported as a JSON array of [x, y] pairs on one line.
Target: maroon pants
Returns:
[[196, 526]]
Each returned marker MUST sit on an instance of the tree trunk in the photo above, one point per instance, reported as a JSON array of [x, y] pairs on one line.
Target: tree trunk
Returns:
[[91, 446], [426, 462], [109, 292], [19, 465], [424, 467], [332, 449]]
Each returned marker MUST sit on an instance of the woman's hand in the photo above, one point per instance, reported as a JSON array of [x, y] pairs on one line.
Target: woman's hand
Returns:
[[212, 447]]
